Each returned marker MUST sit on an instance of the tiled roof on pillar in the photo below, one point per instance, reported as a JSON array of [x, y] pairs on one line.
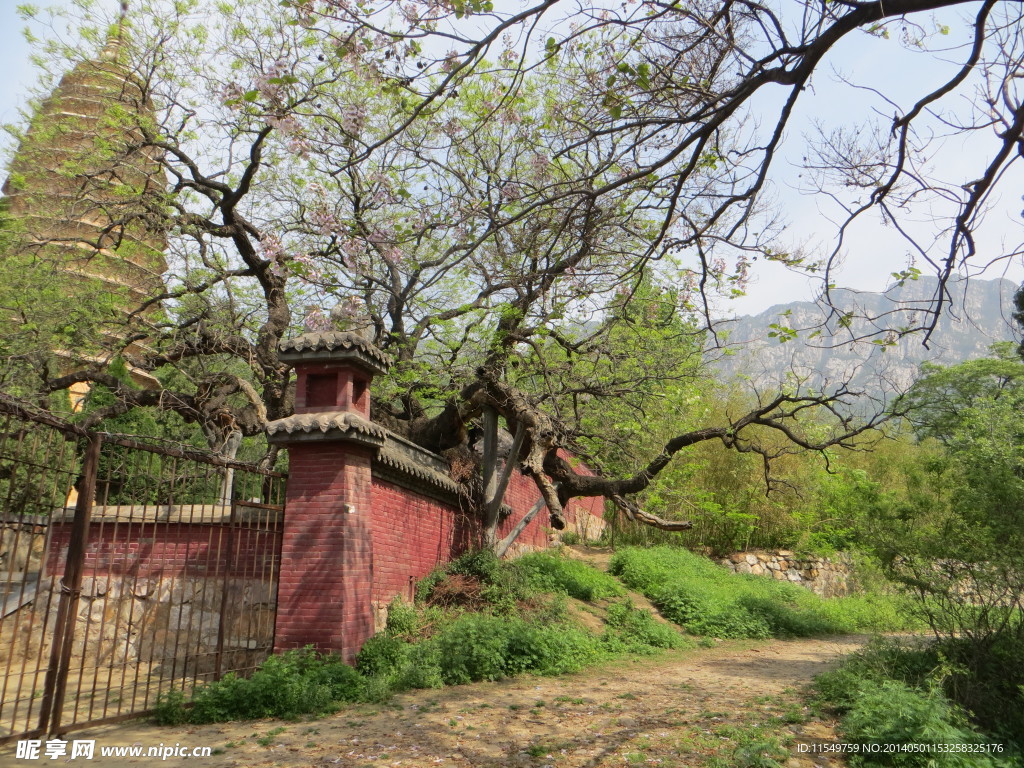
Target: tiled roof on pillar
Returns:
[[334, 346], [328, 425]]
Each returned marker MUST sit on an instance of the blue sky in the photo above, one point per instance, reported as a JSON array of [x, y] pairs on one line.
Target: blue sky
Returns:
[[876, 251], [14, 63]]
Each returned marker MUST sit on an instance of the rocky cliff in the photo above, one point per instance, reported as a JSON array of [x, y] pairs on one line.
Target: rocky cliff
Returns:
[[803, 343]]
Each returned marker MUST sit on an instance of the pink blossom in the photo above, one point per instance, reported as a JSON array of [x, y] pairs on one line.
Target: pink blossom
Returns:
[[324, 221], [271, 248], [353, 118], [286, 124], [315, 319], [232, 95], [450, 61]]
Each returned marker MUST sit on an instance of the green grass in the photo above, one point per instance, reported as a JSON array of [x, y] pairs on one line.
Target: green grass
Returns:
[[706, 599], [554, 572]]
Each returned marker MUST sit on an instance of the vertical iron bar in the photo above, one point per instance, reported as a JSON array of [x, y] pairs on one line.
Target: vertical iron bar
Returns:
[[134, 466], [228, 557], [206, 570], [275, 563], [71, 584], [137, 620], [190, 578], [12, 486], [108, 531], [101, 502]]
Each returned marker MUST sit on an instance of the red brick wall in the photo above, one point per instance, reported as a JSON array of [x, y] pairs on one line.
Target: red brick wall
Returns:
[[169, 549], [413, 534], [522, 494], [327, 553], [352, 541]]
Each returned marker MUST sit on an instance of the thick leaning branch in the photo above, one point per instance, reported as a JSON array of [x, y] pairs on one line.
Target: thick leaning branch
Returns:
[[633, 513]]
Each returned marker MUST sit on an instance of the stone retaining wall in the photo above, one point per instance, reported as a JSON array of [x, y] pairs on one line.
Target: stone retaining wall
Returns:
[[163, 622], [825, 576]]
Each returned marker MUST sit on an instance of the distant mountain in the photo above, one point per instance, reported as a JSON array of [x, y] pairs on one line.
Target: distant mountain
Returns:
[[828, 350]]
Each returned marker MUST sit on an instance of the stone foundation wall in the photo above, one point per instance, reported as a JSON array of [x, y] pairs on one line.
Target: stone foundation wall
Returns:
[[825, 576], [153, 620], [172, 622], [22, 543]]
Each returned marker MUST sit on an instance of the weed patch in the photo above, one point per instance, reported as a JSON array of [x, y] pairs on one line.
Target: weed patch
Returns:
[[632, 630], [910, 692], [287, 686], [553, 572]]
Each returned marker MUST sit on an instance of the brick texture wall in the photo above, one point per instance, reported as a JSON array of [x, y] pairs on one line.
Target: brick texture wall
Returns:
[[168, 549], [413, 534], [327, 551], [350, 543]]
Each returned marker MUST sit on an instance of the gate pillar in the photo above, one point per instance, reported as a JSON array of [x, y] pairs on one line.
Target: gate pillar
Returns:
[[324, 589]]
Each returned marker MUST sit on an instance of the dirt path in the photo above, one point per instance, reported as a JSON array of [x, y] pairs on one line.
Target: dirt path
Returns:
[[707, 707]]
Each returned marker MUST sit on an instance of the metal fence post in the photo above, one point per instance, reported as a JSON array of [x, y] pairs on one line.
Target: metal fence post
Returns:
[[70, 590], [229, 567]]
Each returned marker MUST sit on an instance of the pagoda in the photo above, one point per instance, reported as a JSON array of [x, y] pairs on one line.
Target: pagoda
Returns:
[[84, 199]]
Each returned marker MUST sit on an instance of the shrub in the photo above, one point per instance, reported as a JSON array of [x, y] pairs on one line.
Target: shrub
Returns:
[[569, 649], [872, 612], [285, 686], [402, 619], [170, 708], [486, 647], [914, 687], [988, 681], [475, 580], [381, 655], [481, 564], [912, 662], [425, 586], [422, 668], [891, 712]]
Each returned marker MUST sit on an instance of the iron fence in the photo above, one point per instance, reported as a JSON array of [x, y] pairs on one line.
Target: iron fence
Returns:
[[126, 570]]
